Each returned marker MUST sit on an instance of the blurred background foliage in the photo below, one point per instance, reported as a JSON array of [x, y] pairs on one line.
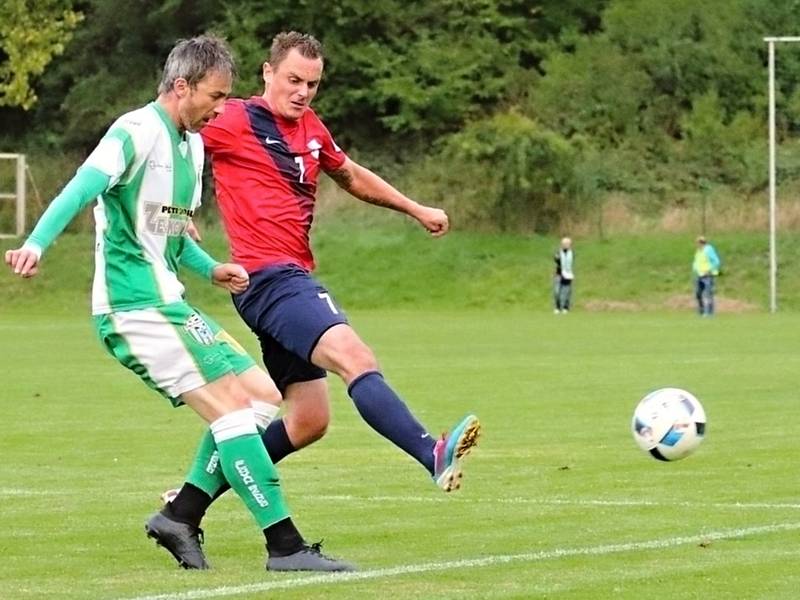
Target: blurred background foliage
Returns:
[[513, 114]]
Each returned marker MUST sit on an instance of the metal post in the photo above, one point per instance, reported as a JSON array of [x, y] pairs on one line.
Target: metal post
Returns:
[[773, 263], [21, 197], [773, 253]]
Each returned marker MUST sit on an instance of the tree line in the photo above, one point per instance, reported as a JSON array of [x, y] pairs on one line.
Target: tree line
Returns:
[[528, 108]]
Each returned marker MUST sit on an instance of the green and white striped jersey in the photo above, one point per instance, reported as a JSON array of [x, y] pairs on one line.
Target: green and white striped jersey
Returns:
[[153, 187], [141, 219]]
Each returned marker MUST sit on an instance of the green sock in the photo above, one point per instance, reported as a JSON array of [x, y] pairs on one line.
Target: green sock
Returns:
[[251, 474], [205, 472]]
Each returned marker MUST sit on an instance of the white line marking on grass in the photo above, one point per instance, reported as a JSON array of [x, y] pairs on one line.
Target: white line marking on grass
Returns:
[[553, 501], [8, 492], [471, 563]]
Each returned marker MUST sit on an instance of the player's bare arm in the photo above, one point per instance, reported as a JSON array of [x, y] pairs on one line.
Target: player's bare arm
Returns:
[[369, 187]]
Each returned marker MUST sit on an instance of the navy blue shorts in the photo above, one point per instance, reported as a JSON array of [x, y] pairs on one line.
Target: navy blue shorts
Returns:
[[289, 311]]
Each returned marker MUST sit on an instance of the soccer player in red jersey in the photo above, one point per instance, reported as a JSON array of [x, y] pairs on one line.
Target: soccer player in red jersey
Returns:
[[267, 153]]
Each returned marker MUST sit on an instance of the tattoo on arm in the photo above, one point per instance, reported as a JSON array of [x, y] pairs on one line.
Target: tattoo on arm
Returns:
[[378, 202], [343, 178]]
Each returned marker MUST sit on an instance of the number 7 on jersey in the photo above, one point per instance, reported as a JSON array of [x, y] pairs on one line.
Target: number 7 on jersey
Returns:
[[327, 297]]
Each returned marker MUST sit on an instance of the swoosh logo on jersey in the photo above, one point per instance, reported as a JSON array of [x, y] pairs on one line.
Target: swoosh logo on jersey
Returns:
[[270, 140]]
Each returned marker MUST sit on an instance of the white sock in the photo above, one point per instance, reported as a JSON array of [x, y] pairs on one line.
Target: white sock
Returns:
[[264, 412], [234, 424]]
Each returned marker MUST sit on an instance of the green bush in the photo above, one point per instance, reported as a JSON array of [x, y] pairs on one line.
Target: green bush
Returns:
[[525, 166]]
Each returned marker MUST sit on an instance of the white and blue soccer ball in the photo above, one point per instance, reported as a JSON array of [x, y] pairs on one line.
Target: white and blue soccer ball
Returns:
[[669, 424]]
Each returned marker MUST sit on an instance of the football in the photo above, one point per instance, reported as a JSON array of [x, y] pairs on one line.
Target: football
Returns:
[[669, 424]]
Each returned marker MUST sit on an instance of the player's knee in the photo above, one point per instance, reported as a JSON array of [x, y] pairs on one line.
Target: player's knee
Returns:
[[343, 352], [268, 394], [310, 426], [265, 394], [360, 359], [231, 393], [316, 430], [259, 386]]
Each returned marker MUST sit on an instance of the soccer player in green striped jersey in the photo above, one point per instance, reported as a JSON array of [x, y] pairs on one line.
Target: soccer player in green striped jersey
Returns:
[[145, 175]]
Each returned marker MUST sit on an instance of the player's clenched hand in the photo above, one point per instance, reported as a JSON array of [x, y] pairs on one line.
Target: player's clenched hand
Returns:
[[232, 277], [23, 262], [434, 220]]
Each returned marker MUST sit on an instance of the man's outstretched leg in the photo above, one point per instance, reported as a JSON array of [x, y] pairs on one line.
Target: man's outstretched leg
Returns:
[[302, 330], [342, 351]]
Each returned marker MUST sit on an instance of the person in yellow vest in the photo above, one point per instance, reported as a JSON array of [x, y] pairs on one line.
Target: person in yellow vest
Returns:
[[705, 268]]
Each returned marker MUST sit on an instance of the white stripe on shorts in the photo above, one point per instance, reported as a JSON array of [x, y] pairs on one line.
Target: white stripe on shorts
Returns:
[[155, 343]]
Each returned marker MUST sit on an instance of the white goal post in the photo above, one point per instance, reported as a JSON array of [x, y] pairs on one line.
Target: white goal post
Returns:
[[18, 195], [773, 254]]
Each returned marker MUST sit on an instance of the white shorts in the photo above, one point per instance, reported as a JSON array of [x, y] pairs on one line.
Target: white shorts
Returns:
[[174, 348]]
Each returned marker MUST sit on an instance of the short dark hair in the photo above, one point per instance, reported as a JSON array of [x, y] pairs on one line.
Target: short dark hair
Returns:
[[307, 45], [194, 58]]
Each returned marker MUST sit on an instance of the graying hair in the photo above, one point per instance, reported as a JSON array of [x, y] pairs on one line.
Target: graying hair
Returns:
[[307, 45], [194, 58]]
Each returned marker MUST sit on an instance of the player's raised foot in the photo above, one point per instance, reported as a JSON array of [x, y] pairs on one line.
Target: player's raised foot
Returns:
[[448, 452], [182, 540], [310, 558]]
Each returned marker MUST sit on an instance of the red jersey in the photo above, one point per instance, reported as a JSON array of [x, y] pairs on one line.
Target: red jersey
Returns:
[[265, 174]]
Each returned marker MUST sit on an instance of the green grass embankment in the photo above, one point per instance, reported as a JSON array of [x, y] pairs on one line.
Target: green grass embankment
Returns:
[[392, 263]]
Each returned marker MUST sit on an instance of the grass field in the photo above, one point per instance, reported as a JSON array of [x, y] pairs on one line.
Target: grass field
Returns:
[[557, 500]]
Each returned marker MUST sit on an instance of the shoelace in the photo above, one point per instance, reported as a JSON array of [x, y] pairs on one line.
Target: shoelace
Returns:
[[198, 533], [316, 548]]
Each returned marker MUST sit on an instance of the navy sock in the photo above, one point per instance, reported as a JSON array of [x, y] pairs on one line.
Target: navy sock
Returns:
[[276, 441], [387, 414]]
